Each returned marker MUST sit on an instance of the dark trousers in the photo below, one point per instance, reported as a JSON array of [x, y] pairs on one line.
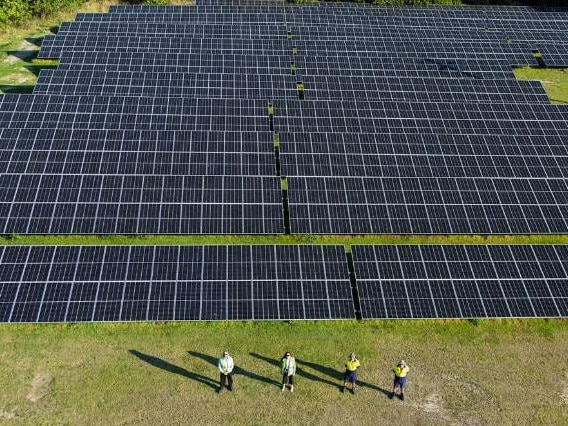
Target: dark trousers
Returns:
[[228, 378], [287, 379]]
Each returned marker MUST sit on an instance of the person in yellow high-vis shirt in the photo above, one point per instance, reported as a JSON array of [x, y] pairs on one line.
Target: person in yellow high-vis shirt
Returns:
[[350, 376], [400, 371]]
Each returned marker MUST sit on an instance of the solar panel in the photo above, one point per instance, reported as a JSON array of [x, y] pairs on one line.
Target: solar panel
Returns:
[[477, 281], [421, 117], [421, 205], [136, 152], [153, 84], [140, 204], [156, 61], [158, 283], [415, 155], [133, 113]]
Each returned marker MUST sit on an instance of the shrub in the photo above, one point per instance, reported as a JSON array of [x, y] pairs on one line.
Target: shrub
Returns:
[[14, 12], [43, 8], [155, 2]]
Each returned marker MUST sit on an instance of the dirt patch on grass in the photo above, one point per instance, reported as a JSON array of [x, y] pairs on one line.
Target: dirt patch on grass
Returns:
[[19, 78], [10, 415], [10, 59], [433, 404], [40, 386], [25, 51], [564, 396]]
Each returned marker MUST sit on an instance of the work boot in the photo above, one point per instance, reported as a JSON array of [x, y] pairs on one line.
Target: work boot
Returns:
[[391, 395]]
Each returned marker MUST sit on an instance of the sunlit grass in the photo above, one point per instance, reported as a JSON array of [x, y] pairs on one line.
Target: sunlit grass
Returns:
[[345, 240], [165, 373], [554, 81]]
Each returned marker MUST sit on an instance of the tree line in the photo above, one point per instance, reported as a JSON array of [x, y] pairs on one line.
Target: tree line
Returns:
[[18, 12]]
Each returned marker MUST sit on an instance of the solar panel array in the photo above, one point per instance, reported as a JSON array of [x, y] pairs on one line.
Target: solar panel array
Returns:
[[184, 120], [158, 283], [462, 281], [100, 148], [422, 95], [258, 282]]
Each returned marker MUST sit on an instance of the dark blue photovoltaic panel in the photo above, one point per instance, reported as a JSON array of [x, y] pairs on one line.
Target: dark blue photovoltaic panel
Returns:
[[424, 205], [477, 281], [157, 283], [140, 204], [408, 155], [384, 117], [126, 113], [137, 152]]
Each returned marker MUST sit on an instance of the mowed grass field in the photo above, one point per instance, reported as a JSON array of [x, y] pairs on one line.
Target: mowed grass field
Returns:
[[491, 372]]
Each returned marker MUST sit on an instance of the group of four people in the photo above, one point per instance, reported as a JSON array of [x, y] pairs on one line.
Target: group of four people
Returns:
[[288, 370]]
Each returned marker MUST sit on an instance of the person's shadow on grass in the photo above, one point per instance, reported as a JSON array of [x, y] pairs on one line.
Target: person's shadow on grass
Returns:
[[238, 371], [171, 368], [339, 376], [300, 371]]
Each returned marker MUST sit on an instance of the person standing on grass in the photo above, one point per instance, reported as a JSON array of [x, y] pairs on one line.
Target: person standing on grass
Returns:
[[350, 376], [226, 366], [288, 369], [400, 371]]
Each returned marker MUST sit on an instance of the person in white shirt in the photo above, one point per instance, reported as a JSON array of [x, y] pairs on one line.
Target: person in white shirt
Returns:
[[226, 366], [288, 369]]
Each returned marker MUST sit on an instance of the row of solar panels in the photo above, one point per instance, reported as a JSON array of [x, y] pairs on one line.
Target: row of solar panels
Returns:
[[388, 31], [140, 283], [304, 15], [220, 82], [315, 65], [357, 64], [300, 154], [330, 8], [373, 116], [497, 11], [132, 204], [384, 33], [520, 52]]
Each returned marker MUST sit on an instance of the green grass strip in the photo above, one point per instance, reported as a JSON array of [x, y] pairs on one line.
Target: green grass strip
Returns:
[[345, 240]]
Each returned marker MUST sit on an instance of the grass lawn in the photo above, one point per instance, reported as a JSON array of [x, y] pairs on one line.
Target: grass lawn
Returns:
[[506, 372], [554, 81]]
